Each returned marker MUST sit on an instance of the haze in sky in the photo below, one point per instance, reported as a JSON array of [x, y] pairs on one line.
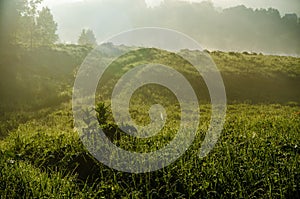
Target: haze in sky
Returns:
[[284, 6], [227, 25]]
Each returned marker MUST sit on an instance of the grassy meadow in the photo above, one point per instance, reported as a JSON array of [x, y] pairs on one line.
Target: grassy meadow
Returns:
[[257, 155]]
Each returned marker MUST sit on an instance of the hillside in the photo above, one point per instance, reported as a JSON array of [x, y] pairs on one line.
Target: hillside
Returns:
[[41, 154], [38, 77]]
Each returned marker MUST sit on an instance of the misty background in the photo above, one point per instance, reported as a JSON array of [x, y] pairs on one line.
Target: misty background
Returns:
[[37, 68], [239, 25]]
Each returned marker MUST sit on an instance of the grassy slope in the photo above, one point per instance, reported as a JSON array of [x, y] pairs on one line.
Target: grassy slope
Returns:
[[259, 78], [257, 155]]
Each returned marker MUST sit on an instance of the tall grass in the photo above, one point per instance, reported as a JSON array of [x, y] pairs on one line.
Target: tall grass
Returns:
[[257, 156]]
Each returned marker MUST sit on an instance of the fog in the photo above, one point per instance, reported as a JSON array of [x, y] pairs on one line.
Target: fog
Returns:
[[284, 6], [238, 28]]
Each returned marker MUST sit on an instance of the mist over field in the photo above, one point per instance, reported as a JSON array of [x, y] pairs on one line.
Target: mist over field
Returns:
[[217, 121], [236, 28]]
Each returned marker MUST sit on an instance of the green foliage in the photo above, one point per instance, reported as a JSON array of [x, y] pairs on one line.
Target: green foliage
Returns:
[[25, 24], [35, 78], [22, 179], [257, 156], [87, 37], [42, 156], [102, 113], [247, 77], [28, 75], [46, 27]]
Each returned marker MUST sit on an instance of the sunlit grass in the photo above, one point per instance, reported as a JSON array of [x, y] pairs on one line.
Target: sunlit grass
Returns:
[[256, 156]]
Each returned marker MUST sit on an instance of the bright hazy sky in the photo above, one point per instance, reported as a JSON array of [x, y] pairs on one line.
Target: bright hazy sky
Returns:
[[69, 30], [284, 6]]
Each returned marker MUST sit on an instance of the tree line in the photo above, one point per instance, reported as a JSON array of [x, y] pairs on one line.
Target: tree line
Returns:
[[232, 29], [23, 23]]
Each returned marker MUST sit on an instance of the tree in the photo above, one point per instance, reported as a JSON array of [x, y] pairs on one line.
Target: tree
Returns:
[[11, 12], [87, 37], [46, 27], [8, 16], [27, 11]]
